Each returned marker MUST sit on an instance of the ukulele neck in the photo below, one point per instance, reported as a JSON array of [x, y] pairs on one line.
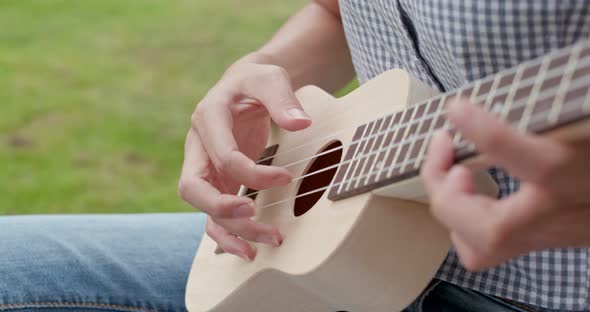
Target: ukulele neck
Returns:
[[537, 96]]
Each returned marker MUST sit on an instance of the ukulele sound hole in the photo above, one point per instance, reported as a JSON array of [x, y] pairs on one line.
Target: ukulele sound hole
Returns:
[[332, 156]]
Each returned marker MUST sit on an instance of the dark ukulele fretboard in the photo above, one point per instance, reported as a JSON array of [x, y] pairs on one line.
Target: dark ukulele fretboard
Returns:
[[536, 96]]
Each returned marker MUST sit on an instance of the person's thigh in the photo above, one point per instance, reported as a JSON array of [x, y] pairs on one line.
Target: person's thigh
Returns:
[[441, 296], [97, 262]]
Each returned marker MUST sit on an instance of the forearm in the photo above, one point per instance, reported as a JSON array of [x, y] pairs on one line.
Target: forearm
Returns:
[[312, 48]]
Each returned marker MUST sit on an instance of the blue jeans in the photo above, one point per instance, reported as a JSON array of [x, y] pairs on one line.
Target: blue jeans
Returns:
[[134, 263]]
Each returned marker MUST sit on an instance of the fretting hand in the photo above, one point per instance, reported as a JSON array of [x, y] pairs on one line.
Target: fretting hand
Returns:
[[551, 209], [230, 128]]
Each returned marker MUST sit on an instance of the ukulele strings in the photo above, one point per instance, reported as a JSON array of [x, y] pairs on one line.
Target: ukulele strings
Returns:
[[321, 189], [549, 74], [414, 139], [539, 116]]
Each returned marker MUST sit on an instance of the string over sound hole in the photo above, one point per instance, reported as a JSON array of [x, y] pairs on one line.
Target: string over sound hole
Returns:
[[321, 179]]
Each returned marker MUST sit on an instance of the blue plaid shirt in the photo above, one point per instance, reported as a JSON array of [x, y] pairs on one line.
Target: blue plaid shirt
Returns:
[[448, 43]]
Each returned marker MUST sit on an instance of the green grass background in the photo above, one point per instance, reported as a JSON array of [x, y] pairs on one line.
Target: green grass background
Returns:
[[96, 95]]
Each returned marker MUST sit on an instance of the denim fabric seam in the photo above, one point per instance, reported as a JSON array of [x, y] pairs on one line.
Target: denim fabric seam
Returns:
[[118, 307], [425, 294]]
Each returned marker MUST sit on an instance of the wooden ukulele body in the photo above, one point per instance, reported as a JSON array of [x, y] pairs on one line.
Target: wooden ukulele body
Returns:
[[371, 252]]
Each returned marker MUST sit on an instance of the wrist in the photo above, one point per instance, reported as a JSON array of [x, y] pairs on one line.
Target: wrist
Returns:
[[259, 57], [264, 58]]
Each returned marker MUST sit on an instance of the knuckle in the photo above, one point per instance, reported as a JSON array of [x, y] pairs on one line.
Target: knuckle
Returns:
[[223, 162], [221, 208], [437, 204], [210, 230], [275, 72], [553, 166], [495, 236], [197, 116], [268, 75], [250, 231], [185, 186], [230, 248], [546, 172], [491, 141], [215, 212]]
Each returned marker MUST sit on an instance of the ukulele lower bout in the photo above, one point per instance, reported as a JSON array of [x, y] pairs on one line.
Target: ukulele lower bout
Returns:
[[361, 253]]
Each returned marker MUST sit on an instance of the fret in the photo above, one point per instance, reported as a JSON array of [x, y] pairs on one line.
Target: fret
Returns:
[[472, 95], [345, 166], [433, 121], [530, 105], [573, 110], [564, 84], [379, 143], [457, 135], [532, 70], [474, 92], [551, 83], [357, 160], [358, 143], [581, 72], [386, 158], [365, 160], [513, 111], [573, 105], [509, 98], [416, 144], [414, 134], [488, 102], [558, 62], [387, 141], [499, 99], [484, 89], [507, 79], [542, 107], [400, 143], [524, 92]]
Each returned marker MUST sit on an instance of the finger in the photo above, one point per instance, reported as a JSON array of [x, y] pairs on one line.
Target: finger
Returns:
[[496, 237], [525, 207], [529, 157], [471, 258], [252, 231], [228, 242], [274, 90], [438, 161], [197, 191], [462, 211], [214, 126]]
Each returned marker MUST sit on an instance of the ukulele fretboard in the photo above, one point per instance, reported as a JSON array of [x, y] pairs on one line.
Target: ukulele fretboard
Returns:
[[536, 96]]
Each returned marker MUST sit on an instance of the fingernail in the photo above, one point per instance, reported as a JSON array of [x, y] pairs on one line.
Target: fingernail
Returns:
[[245, 211], [268, 239], [245, 257], [282, 179], [298, 114], [249, 258]]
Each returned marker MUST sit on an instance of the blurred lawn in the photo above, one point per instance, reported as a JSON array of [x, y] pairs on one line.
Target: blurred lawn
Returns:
[[96, 95]]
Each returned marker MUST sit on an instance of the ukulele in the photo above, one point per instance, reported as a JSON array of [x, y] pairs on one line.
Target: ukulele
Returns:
[[358, 235]]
